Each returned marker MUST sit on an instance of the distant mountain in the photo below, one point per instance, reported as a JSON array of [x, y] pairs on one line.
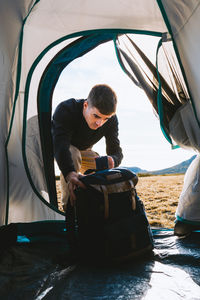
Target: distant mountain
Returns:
[[177, 169], [137, 170]]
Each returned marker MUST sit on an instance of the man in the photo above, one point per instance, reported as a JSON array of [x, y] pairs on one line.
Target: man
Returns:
[[76, 126]]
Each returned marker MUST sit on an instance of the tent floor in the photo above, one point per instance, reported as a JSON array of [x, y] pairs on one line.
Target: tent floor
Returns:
[[42, 271]]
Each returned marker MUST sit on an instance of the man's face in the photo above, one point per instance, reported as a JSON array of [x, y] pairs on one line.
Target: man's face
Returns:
[[93, 116]]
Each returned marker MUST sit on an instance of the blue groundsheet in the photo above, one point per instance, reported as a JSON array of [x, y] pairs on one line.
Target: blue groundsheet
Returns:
[[42, 270]]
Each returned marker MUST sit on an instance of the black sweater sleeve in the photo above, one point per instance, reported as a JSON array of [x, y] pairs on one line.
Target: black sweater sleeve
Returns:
[[112, 141], [62, 128]]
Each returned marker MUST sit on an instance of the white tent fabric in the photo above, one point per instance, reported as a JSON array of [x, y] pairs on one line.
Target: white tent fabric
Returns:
[[31, 34], [184, 20], [188, 206], [184, 128], [9, 42]]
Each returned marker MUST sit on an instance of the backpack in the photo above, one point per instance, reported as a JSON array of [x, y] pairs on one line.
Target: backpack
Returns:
[[108, 221]]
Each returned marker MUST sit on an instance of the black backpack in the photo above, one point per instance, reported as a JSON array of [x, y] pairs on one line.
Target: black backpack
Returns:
[[108, 221]]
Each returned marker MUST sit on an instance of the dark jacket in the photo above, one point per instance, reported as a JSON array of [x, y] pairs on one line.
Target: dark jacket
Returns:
[[70, 128]]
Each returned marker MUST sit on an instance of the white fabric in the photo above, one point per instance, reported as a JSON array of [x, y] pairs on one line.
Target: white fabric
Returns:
[[184, 19], [56, 19], [34, 155], [11, 15], [184, 128], [185, 131], [24, 204], [189, 202], [35, 79]]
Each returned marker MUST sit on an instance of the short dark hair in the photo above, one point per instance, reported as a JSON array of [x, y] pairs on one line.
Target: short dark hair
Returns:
[[103, 98]]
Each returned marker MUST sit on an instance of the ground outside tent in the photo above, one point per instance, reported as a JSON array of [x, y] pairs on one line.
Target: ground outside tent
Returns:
[[42, 270]]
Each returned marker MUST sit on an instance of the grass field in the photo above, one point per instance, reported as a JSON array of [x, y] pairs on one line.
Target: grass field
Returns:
[[160, 194]]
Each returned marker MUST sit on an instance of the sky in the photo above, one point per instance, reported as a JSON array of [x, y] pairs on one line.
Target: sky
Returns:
[[141, 139]]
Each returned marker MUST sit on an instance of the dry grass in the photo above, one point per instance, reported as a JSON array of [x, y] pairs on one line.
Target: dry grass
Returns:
[[160, 196]]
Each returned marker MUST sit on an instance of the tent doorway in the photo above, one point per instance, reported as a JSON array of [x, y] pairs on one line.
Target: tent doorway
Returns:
[[78, 87]]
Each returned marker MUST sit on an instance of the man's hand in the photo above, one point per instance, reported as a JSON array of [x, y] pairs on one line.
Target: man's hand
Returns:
[[73, 182], [111, 163]]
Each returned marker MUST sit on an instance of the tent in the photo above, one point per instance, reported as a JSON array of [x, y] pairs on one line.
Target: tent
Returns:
[[38, 39]]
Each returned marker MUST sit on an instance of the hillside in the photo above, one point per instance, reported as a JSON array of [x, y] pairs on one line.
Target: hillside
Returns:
[[177, 169]]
